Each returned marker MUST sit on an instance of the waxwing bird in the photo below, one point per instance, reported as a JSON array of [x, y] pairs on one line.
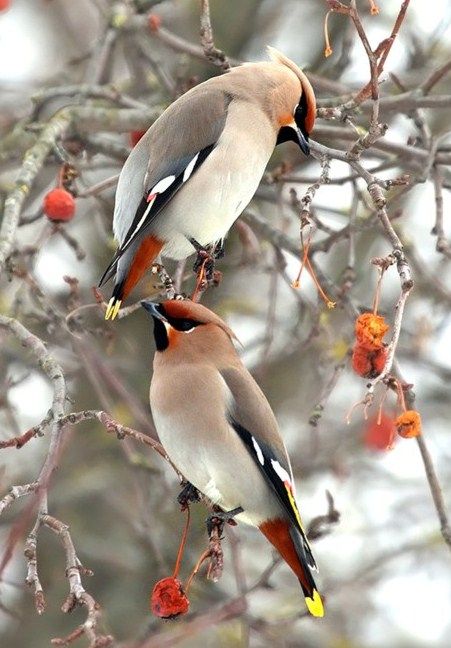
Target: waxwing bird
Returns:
[[219, 430], [198, 166]]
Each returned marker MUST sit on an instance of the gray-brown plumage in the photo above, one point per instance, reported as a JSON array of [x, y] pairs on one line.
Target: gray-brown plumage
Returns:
[[200, 163], [219, 430]]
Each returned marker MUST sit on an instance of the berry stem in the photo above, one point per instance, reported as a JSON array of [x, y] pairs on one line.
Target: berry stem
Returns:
[[182, 544]]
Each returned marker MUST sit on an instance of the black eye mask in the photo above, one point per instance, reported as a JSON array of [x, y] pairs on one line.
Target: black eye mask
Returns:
[[300, 115], [184, 325], [299, 133]]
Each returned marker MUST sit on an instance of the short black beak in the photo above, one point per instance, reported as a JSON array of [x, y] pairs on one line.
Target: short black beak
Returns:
[[292, 133], [303, 141], [154, 309]]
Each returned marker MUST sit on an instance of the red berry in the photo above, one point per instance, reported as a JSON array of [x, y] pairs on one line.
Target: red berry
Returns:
[[59, 204], [379, 436], [367, 362], [135, 136], [154, 22], [168, 600], [5, 4], [379, 359]]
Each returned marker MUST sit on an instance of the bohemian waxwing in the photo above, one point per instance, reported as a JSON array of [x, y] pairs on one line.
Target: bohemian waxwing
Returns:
[[198, 166], [219, 430]]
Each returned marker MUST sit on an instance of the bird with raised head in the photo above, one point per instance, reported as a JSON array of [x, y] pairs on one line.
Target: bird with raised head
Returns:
[[220, 431], [198, 166]]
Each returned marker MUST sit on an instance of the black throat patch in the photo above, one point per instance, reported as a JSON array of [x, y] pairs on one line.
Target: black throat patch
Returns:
[[160, 334]]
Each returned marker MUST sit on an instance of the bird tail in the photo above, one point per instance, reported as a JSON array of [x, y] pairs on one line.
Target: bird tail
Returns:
[[285, 537], [129, 268]]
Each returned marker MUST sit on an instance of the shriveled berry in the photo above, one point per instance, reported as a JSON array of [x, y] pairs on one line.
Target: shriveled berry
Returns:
[[168, 600], [368, 363], [408, 424], [370, 330]]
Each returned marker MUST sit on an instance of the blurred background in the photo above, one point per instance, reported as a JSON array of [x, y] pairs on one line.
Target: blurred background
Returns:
[[384, 568]]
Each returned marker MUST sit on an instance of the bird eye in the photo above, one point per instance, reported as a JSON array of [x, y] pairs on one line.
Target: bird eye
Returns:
[[300, 114], [299, 111], [185, 325]]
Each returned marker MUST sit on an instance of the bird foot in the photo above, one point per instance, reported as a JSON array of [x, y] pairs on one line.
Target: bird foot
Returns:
[[219, 249], [217, 519], [188, 494], [204, 265], [205, 262]]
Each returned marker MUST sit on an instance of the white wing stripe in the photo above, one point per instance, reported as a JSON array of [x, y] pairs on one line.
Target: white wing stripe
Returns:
[[143, 218], [281, 472], [189, 168], [163, 184], [258, 451], [160, 187]]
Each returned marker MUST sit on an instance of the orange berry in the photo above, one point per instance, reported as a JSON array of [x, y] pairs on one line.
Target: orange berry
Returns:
[[379, 434], [59, 205], [370, 330], [5, 4], [168, 600], [408, 424]]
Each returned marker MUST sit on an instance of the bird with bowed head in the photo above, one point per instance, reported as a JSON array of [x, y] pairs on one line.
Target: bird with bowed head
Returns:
[[219, 430]]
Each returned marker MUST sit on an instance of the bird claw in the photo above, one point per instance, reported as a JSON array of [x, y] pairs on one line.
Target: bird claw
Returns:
[[205, 262], [188, 494], [219, 249], [217, 519]]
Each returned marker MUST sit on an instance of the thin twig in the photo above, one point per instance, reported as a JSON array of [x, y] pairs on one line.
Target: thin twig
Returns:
[[213, 54], [77, 593], [436, 490]]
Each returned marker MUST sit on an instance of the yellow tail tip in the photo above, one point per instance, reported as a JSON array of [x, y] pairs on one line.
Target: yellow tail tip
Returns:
[[113, 308], [315, 605]]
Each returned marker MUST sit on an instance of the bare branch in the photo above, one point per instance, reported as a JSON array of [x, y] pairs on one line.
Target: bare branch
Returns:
[[77, 593], [213, 54], [436, 490], [15, 492]]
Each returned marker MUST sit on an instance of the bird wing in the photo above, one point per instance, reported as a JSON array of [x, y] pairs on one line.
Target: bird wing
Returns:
[[177, 145], [251, 416]]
